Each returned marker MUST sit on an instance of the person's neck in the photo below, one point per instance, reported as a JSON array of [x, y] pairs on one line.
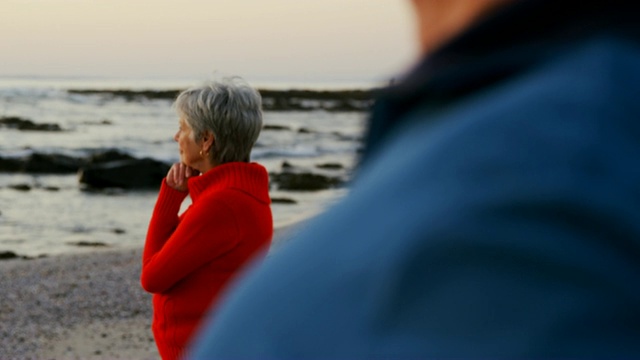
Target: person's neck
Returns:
[[205, 166]]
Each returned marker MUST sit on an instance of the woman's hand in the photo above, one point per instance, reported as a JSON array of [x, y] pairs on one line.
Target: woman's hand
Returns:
[[178, 175]]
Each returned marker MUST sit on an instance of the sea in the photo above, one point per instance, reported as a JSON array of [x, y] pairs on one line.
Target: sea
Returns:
[[47, 214]]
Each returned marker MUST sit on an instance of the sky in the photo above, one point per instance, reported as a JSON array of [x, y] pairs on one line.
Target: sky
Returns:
[[287, 40]]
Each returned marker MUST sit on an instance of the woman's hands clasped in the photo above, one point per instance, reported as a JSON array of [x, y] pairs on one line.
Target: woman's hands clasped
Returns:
[[178, 175]]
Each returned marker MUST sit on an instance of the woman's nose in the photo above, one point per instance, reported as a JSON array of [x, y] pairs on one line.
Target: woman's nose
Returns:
[[175, 137]]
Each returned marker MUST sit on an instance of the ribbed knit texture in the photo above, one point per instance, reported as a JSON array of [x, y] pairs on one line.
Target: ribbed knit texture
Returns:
[[188, 259]]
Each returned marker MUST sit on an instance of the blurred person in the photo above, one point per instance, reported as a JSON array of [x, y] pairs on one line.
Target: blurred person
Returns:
[[189, 258], [496, 211]]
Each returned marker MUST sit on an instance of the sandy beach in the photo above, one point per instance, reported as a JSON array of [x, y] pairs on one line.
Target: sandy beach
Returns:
[[81, 306]]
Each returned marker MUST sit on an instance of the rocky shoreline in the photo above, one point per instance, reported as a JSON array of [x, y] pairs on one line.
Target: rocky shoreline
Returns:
[[273, 100], [116, 169]]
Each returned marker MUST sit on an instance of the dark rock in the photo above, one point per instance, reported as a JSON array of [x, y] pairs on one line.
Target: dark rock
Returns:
[[20, 187], [286, 165], [132, 95], [51, 188], [51, 164], [108, 156], [88, 244], [283, 201], [101, 122], [283, 104], [8, 255], [348, 106], [275, 127], [330, 166], [10, 165], [305, 100], [126, 174], [119, 231], [305, 131], [58, 164], [27, 125], [319, 94], [41, 164], [304, 181]]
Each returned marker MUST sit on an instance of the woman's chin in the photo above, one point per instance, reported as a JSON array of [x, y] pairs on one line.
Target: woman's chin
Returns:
[[186, 162]]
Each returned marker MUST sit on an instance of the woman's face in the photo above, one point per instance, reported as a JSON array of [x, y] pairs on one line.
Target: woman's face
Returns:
[[189, 149]]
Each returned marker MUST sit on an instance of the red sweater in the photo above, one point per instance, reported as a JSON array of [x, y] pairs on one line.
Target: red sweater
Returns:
[[188, 259]]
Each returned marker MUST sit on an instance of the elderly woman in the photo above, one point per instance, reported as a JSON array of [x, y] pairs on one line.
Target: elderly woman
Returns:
[[189, 258]]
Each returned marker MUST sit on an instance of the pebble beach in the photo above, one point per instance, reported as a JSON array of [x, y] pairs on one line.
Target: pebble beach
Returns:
[[81, 306]]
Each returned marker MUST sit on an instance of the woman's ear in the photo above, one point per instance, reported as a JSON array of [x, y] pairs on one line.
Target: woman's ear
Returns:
[[207, 141]]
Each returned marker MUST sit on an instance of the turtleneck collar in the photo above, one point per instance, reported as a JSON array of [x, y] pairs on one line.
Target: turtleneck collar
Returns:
[[506, 42], [250, 178]]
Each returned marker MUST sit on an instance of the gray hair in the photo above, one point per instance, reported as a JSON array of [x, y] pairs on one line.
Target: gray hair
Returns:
[[231, 109]]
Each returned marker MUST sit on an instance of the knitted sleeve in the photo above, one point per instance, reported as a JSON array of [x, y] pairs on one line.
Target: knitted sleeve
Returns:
[[207, 230], [164, 219]]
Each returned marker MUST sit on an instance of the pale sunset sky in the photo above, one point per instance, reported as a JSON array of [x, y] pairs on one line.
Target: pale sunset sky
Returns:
[[290, 40]]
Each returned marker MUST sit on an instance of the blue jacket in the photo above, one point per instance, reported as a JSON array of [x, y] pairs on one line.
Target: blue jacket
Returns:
[[496, 212]]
